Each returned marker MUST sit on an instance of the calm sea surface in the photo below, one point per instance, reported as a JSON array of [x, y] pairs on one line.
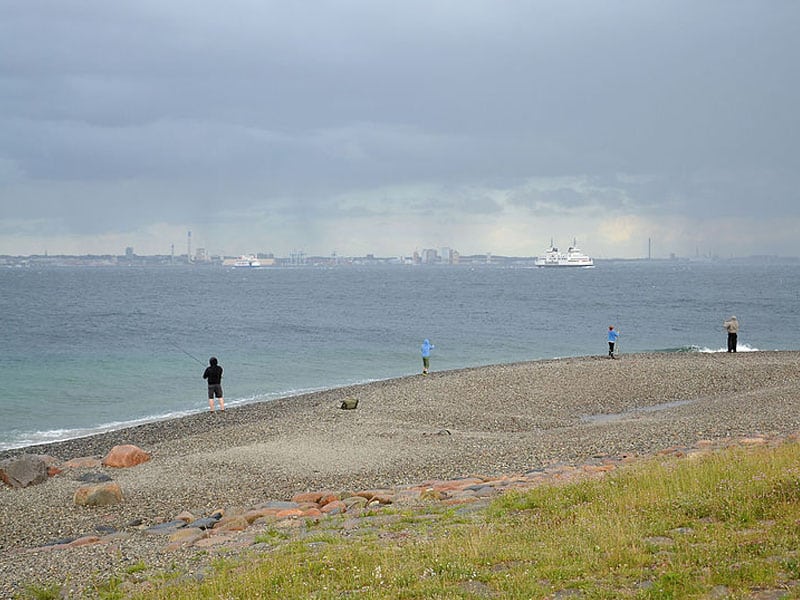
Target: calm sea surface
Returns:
[[90, 349]]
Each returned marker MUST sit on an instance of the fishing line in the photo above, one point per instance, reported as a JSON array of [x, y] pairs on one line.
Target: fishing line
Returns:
[[187, 353]]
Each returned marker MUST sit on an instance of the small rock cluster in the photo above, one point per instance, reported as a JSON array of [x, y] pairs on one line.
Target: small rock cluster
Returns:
[[33, 469], [224, 526]]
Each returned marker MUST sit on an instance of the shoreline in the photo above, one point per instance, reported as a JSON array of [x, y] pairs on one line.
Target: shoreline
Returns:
[[151, 431], [45, 446], [486, 421], [157, 423], [171, 428]]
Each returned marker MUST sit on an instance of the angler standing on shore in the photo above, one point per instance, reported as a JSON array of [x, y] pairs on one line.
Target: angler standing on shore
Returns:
[[426, 355], [213, 374], [612, 340], [732, 327]]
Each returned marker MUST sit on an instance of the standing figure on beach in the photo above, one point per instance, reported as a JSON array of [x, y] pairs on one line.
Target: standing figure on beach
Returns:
[[213, 374], [612, 340], [732, 327], [426, 355]]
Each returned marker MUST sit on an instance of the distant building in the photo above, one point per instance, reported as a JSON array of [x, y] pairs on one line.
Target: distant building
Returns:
[[449, 256], [429, 256]]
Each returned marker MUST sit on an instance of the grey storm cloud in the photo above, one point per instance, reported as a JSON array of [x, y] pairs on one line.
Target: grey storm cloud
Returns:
[[283, 109]]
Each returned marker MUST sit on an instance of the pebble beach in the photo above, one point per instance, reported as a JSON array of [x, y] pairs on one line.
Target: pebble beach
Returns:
[[486, 421]]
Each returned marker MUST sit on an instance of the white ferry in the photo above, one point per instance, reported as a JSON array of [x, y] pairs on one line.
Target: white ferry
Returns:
[[247, 260], [573, 257]]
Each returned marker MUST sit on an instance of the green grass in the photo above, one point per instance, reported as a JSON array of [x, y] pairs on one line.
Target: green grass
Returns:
[[728, 522], [137, 567], [271, 535], [48, 592]]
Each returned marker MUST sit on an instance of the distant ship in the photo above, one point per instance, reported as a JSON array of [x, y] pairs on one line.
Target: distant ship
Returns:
[[574, 257], [247, 260]]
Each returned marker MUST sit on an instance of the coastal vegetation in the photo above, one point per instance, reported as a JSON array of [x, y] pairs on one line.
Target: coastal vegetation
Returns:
[[719, 524]]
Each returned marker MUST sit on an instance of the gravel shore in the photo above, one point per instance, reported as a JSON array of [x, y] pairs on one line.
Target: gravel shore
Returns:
[[487, 420]]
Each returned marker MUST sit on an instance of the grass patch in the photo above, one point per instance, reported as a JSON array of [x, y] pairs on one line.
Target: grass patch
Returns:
[[663, 528], [136, 567], [271, 536], [45, 592]]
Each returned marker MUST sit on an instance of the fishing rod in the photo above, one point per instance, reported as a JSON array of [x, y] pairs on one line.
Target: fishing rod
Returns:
[[187, 353]]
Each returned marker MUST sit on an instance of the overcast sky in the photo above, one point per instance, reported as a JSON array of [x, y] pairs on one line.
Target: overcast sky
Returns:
[[375, 127]]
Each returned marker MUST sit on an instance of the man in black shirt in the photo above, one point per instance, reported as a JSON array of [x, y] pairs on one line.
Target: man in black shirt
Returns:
[[213, 374]]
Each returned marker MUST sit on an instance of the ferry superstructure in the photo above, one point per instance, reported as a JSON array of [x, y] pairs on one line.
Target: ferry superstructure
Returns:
[[573, 257], [247, 260]]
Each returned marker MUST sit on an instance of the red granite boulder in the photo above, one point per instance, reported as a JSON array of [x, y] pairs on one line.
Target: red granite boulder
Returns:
[[82, 462], [104, 494], [328, 498], [308, 497], [334, 507], [125, 456]]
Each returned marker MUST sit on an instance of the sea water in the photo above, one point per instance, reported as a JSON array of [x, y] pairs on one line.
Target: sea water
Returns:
[[91, 349]]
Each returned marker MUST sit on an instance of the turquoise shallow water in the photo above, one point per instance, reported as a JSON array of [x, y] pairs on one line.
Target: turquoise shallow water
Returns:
[[88, 349]]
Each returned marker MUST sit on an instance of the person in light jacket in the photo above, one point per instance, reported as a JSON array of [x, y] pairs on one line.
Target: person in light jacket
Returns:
[[612, 340], [426, 355], [732, 327]]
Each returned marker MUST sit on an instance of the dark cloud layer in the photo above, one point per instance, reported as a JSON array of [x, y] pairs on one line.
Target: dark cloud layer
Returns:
[[186, 113]]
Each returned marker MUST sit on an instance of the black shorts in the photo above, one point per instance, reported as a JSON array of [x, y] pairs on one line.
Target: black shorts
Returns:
[[214, 389]]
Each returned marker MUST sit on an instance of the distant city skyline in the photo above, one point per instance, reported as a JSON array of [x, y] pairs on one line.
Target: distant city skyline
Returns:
[[362, 127], [423, 255], [195, 251]]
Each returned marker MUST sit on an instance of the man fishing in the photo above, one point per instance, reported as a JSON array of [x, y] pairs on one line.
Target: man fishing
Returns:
[[426, 355], [213, 374], [732, 327], [612, 340]]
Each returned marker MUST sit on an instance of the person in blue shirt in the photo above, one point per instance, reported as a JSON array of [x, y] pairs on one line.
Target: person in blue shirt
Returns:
[[612, 340], [426, 355]]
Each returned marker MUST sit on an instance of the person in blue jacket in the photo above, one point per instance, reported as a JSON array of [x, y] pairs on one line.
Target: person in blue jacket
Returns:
[[612, 340], [426, 355]]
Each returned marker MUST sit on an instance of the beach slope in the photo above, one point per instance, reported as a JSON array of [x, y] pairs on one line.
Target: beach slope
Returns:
[[488, 420]]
